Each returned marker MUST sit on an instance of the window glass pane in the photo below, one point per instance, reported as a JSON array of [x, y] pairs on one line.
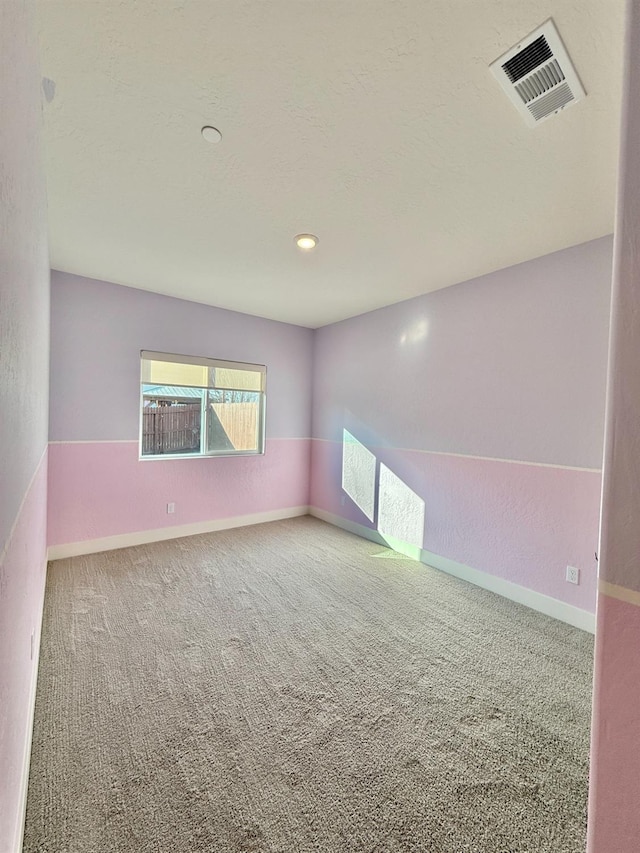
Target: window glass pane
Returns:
[[224, 377], [174, 373], [200, 406], [171, 422], [233, 421]]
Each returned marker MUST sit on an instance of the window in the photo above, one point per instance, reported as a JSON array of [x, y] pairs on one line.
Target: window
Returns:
[[194, 406]]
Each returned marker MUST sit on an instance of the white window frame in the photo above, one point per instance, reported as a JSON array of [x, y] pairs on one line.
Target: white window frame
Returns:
[[205, 362]]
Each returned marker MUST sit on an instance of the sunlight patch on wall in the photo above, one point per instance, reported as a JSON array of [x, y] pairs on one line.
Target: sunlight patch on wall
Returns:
[[359, 474], [400, 514], [415, 333]]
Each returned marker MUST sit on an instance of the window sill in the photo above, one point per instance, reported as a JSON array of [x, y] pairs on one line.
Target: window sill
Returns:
[[167, 456]]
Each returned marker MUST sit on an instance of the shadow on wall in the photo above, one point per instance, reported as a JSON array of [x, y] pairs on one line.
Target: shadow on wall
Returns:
[[394, 509]]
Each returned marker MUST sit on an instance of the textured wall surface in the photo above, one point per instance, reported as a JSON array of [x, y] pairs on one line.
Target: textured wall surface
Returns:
[[98, 487], [614, 817], [486, 401], [24, 265], [24, 353], [22, 580], [101, 488], [523, 523]]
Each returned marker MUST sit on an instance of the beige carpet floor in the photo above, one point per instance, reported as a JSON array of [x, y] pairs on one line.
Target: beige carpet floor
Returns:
[[289, 688]]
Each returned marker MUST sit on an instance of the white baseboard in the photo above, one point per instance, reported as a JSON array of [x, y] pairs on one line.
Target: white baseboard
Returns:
[[349, 526], [26, 761], [568, 613], [143, 537]]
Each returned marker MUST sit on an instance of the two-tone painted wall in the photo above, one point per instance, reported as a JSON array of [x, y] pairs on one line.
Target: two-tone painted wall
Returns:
[[24, 357], [101, 494], [614, 789], [466, 426]]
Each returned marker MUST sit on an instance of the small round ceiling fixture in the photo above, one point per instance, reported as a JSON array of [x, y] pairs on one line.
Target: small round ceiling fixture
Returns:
[[306, 242], [211, 134]]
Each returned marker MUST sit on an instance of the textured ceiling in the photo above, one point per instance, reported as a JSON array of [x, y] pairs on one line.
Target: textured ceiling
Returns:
[[376, 125]]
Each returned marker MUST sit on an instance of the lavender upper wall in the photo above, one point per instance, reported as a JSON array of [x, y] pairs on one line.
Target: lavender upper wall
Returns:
[[99, 328], [621, 495], [24, 264], [24, 353], [511, 365]]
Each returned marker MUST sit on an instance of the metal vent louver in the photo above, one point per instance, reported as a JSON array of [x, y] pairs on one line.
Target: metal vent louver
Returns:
[[538, 76]]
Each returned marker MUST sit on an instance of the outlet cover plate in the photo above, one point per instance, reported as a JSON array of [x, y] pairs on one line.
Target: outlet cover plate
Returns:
[[573, 575]]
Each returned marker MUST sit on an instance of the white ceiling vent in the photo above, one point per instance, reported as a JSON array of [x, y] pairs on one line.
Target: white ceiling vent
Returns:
[[538, 75]]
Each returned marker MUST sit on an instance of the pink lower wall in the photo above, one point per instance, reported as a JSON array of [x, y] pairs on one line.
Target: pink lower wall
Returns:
[[99, 489], [22, 579], [523, 523], [614, 807]]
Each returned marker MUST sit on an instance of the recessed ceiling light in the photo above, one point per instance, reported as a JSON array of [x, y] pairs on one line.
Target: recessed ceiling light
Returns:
[[211, 134], [306, 241]]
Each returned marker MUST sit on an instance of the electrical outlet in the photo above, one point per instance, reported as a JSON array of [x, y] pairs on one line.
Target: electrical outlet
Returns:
[[33, 644], [171, 508], [342, 500], [573, 575]]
